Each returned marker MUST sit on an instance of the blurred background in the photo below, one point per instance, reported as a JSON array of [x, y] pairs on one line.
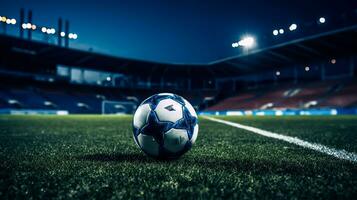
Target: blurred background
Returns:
[[226, 58]]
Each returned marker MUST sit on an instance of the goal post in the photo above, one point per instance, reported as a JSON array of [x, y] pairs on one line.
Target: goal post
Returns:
[[118, 107]]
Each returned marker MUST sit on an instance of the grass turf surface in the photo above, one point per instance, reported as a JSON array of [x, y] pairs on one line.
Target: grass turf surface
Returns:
[[96, 157]]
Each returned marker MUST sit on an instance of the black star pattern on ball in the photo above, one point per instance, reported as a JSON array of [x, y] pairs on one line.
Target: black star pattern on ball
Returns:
[[155, 128], [187, 122]]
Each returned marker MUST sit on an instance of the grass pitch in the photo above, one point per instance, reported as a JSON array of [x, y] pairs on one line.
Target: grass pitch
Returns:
[[96, 157]]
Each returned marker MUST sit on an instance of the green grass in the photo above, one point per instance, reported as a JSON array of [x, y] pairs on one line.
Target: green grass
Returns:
[[96, 157]]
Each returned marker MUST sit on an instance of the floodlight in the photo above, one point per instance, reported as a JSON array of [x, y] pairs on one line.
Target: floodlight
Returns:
[[49, 30], [322, 20], [235, 44], [292, 27], [247, 42], [28, 26]]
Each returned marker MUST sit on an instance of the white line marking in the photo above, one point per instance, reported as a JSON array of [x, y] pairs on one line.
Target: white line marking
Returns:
[[341, 154]]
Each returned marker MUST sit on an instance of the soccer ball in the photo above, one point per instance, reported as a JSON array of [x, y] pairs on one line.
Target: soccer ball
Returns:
[[165, 126]]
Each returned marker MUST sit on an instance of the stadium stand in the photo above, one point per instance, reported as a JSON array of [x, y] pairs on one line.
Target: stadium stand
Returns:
[[76, 98], [331, 94], [343, 97], [40, 76]]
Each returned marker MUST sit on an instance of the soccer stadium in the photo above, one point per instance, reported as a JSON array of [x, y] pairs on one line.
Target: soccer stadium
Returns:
[[178, 100]]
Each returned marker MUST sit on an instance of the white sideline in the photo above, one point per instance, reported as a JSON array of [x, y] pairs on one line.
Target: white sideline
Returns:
[[341, 154]]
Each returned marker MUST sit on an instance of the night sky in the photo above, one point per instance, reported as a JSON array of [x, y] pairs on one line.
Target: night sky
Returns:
[[172, 31]]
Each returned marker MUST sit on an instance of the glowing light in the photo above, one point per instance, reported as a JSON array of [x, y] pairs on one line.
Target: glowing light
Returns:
[[63, 34], [75, 36], [281, 31], [277, 73], [28, 25], [8, 21], [44, 29], [333, 61], [292, 27], [235, 44], [23, 26], [33, 27], [247, 42], [50, 31], [322, 20], [307, 68], [108, 78], [13, 21], [275, 32], [3, 19]]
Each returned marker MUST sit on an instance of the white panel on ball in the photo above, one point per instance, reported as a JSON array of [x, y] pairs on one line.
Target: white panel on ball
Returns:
[[149, 144], [190, 108], [141, 115], [175, 140], [169, 110], [195, 134], [168, 94]]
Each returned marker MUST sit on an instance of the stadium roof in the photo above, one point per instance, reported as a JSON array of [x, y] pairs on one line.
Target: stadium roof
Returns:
[[316, 47], [323, 46]]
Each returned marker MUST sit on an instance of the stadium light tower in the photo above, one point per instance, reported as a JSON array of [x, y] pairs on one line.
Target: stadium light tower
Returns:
[[60, 33], [66, 30], [29, 24], [22, 19]]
